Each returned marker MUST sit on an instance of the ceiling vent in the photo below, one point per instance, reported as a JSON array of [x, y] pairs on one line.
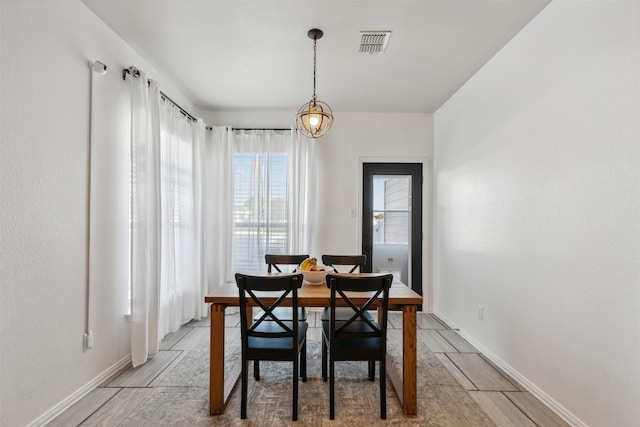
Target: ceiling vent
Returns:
[[374, 41]]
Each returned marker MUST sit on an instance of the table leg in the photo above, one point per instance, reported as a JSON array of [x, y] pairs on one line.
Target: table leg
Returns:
[[249, 315], [216, 361], [409, 362]]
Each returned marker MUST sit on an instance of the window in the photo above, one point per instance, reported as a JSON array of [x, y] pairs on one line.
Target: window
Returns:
[[260, 209], [391, 210], [260, 198]]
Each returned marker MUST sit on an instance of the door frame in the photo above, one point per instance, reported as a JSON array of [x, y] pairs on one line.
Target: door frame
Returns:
[[417, 170]]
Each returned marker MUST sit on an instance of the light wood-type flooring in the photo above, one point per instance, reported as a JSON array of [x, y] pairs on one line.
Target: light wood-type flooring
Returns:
[[457, 387]]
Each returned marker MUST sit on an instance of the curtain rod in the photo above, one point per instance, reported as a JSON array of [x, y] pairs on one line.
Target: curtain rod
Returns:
[[136, 73], [133, 71], [276, 129]]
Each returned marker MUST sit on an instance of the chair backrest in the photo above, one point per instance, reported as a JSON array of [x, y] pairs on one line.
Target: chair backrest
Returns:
[[356, 262], [274, 261], [346, 287], [268, 292]]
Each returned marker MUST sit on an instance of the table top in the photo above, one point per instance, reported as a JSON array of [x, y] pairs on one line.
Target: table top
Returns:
[[317, 295]]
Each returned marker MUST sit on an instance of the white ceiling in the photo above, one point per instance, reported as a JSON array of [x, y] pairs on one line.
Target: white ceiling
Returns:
[[254, 55]]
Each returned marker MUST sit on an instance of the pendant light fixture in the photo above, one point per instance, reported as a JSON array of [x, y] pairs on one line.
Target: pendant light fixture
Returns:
[[315, 117]]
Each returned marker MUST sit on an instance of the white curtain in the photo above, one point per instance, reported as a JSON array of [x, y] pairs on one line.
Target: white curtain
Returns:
[[263, 199], [200, 222], [218, 174], [181, 286], [168, 275], [302, 185], [183, 204], [145, 217]]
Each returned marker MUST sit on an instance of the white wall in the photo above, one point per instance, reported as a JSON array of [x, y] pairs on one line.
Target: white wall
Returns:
[[353, 139], [537, 169], [45, 85]]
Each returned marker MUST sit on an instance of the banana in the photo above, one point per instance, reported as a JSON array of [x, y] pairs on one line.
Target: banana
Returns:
[[308, 263]]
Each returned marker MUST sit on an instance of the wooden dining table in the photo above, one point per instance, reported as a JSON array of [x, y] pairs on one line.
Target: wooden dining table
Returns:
[[313, 295]]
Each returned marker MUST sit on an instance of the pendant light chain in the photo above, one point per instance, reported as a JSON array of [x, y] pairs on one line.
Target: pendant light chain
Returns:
[[314, 66]]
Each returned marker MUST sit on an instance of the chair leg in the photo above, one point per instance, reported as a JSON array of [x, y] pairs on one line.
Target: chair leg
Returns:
[[295, 389], [324, 360], [256, 370], [372, 370], [332, 391], [303, 361], [243, 392], [383, 388]]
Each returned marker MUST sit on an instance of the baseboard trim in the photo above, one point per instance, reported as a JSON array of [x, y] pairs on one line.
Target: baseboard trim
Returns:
[[552, 404], [112, 371]]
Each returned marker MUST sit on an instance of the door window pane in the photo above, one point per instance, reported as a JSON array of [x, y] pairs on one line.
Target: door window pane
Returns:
[[391, 204], [391, 225]]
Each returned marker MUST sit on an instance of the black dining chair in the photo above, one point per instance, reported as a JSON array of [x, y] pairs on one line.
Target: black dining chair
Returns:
[[358, 337], [344, 264], [347, 264], [275, 263], [271, 338]]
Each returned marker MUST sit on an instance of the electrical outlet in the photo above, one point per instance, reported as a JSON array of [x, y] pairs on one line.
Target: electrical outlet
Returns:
[[480, 312]]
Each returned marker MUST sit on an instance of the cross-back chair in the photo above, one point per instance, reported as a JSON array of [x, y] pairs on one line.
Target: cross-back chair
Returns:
[[344, 264], [275, 264], [269, 337], [356, 262], [275, 261], [358, 337]]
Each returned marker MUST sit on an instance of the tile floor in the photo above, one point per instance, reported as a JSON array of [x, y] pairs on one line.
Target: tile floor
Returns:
[[503, 401]]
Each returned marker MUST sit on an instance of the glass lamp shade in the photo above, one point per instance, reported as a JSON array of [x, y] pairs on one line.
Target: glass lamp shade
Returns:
[[314, 119]]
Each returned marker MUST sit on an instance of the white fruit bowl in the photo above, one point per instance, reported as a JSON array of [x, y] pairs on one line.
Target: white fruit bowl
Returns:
[[316, 277]]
